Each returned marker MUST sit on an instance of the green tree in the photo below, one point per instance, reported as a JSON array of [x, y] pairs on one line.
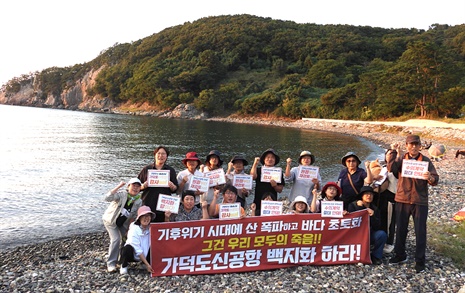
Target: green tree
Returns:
[[421, 67], [452, 102], [326, 74]]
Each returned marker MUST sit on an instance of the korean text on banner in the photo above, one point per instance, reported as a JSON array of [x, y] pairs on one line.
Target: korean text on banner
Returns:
[[217, 177], [199, 183], [243, 181], [158, 178], [271, 173], [307, 172], [168, 203], [414, 169], [258, 243]]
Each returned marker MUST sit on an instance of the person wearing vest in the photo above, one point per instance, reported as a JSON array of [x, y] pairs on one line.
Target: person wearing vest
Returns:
[[411, 199]]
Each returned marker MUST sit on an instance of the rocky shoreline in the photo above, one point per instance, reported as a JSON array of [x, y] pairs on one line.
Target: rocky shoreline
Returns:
[[77, 264]]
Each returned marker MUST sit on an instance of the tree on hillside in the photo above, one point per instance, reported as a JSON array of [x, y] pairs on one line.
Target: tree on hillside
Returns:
[[421, 67], [259, 65]]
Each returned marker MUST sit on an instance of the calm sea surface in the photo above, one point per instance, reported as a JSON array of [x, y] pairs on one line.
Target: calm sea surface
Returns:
[[56, 165]]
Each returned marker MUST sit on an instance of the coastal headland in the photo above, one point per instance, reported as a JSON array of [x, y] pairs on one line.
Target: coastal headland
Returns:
[[77, 263]]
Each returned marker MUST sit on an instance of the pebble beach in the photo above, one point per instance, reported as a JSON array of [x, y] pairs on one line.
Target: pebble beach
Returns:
[[78, 263]]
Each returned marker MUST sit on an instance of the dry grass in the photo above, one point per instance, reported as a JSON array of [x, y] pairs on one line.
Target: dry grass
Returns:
[[449, 240]]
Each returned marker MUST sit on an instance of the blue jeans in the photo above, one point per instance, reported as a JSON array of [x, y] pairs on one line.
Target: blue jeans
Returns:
[[378, 239]]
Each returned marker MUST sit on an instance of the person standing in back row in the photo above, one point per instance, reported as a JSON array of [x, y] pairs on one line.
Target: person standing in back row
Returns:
[[236, 167], [269, 158], [301, 186], [150, 194], [411, 200], [352, 178], [192, 163], [212, 162]]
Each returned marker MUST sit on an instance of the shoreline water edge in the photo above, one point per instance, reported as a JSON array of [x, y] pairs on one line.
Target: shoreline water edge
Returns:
[[78, 263]]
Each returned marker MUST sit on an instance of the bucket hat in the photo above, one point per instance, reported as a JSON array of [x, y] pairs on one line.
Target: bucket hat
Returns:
[[306, 153], [299, 198], [144, 210], [216, 153], [334, 184], [269, 151], [239, 158], [347, 155], [191, 156], [364, 189]]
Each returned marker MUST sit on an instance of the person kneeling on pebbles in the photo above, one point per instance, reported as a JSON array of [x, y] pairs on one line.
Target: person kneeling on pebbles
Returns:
[[377, 236], [137, 247]]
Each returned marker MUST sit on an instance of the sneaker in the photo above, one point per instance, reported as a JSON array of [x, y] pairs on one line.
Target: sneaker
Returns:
[[398, 259], [420, 266], [123, 271], [111, 268], [388, 248]]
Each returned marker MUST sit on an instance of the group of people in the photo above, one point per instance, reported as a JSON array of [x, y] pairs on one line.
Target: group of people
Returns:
[[389, 196]]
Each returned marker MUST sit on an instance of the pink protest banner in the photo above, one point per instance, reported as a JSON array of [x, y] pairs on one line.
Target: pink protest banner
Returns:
[[258, 243]]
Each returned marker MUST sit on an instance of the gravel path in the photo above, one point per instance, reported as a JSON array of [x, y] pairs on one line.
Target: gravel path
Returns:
[[77, 264]]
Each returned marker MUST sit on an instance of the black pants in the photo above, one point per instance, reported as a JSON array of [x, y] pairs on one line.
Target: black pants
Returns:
[[419, 214], [383, 201], [127, 256], [241, 201]]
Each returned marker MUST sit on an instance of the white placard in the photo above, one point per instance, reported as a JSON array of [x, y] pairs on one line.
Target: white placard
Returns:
[[158, 178], [199, 183], [269, 173], [168, 203], [230, 211], [332, 209], [271, 208], [216, 177], [414, 169], [243, 181], [383, 175], [307, 172]]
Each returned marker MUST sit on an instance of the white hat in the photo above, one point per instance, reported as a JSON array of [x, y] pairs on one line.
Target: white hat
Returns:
[[307, 153], [134, 180], [299, 198]]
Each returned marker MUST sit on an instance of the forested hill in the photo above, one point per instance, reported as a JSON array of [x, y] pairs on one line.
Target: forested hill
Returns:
[[248, 64]]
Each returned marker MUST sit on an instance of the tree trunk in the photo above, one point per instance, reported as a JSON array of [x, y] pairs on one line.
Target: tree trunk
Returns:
[[422, 106]]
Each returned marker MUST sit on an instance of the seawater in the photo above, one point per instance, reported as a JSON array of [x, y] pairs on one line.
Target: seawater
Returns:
[[56, 165]]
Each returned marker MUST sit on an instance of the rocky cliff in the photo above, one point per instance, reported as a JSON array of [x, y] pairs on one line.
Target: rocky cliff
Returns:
[[74, 97]]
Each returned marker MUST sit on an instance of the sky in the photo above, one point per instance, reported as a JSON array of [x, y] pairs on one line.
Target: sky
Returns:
[[38, 34]]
